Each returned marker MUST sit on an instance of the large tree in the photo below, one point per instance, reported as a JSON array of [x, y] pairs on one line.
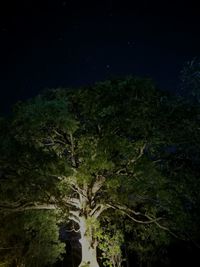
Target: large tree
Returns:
[[91, 152]]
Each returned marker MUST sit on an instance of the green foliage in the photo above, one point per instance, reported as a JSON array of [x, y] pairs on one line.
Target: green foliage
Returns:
[[149, 244], [30, 238], [110, 245]]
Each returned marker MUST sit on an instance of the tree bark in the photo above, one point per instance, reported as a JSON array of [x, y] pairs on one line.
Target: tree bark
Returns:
[[88, 246]]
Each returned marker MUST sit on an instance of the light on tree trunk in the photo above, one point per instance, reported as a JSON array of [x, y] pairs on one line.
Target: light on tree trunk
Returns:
[[88, 248]]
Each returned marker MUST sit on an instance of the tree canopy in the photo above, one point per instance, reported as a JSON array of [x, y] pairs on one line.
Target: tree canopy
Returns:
[[118, 147]]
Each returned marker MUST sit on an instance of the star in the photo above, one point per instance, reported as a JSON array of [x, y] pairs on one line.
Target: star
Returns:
[[130, 43], [108, 66], [64, 3]]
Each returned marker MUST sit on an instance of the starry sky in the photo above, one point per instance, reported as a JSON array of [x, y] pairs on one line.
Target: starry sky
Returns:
[[64, 43]]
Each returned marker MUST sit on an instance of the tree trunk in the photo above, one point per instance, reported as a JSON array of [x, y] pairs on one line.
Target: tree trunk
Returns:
[[88, 246]]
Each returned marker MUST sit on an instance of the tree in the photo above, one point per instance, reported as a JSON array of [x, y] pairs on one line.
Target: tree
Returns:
[[29, 239], [190, 81], [88, 153]]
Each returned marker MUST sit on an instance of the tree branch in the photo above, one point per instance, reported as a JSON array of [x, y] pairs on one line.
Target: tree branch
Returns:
[[98, 209], [73, 230], [73, 202], [15, 207], [150, 220], [74, 216], [72, 150], [141, 153], [98, 184]]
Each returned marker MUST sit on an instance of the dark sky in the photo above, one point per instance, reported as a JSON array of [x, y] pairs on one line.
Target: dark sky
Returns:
[[51, 43]]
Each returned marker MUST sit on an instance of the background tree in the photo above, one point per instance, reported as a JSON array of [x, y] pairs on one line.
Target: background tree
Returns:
[[29, 239], [190, 81]]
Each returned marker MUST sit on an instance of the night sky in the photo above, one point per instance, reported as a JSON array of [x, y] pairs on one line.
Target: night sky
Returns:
[[73, 43]]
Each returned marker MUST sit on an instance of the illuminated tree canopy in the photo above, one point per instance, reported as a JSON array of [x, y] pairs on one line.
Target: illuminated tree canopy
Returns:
[[94, 153]]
